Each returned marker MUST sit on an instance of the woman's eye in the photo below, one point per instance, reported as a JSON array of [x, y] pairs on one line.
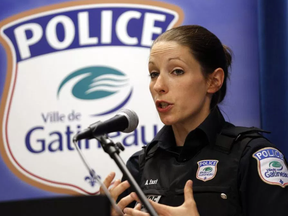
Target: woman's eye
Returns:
[[178, 72], [153, 74]]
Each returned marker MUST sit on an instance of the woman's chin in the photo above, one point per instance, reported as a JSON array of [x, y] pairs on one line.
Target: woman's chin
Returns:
[[167, 121]]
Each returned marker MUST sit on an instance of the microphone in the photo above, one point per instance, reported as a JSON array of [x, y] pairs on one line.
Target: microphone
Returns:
[[126, 121]]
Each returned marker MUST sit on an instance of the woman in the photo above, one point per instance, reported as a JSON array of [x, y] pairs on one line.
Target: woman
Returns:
[[247, 175]]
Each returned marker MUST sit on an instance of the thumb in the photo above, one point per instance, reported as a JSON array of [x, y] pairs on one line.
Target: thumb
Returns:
[[188, 192]]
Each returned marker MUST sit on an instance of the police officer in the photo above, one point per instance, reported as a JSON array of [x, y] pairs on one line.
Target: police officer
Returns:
[[235, 170]]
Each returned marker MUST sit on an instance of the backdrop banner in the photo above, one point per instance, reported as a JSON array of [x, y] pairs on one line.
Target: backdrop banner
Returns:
[[67, 64]]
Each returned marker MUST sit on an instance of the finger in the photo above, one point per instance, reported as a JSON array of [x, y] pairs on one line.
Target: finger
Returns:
[[120, 189], [134, 212], [135, 197], [125, 201], [114, 184], [138, 206], [188, 193], [107, 181]]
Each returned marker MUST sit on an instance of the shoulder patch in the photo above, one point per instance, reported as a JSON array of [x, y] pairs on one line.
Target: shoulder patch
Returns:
[[207, 169], [271, 165]]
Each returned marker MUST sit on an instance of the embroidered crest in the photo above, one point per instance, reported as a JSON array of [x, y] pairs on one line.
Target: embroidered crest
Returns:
[[271, 166], [207, 169]]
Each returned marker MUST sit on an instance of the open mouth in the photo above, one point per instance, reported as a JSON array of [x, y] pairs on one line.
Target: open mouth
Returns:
[[162, 104]]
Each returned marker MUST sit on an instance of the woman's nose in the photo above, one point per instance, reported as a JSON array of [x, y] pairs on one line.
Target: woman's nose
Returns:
[[160, 85]]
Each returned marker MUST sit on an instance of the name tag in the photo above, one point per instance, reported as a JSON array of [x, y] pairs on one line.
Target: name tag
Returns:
[[154, 198]]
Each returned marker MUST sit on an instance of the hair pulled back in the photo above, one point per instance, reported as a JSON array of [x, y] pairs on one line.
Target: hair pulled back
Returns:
[[206, 48]]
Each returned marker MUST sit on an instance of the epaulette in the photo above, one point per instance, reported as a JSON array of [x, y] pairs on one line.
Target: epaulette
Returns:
[[232, 134]]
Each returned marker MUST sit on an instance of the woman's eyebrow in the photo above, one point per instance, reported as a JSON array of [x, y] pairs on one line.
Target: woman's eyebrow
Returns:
[[176, 58], [169, 59]]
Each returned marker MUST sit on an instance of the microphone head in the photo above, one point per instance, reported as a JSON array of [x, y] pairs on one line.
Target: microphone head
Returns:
[[132, 120]]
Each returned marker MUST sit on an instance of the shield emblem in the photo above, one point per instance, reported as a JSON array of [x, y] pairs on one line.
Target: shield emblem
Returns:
[[70, 65], [272, 168], [207, 169]]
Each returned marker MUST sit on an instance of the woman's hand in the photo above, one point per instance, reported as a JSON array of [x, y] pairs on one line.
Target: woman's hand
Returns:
[[187, 208], [115, 190]]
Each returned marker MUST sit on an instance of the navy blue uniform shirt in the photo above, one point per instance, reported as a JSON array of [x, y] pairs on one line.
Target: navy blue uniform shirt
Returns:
[[262, 176]]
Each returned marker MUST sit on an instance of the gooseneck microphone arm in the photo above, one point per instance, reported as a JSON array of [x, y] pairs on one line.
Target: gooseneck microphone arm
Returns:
[[113, 150]]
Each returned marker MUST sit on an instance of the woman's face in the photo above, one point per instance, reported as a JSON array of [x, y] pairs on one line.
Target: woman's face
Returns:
[[177, 85]]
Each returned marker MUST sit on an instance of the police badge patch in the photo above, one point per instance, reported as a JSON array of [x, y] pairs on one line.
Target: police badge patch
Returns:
[[271, 166], [207, 169]]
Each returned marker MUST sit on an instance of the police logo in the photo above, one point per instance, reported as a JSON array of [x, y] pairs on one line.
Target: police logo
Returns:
[[271, 166], [98, 83], [66, 64], [207, 169]]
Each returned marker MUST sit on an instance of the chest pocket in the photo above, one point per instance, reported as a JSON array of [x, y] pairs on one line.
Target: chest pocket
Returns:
[[214, 200], [210, 200]]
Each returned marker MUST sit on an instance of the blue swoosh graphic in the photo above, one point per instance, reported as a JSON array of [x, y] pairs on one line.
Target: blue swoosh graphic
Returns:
[[280, 168], [98, 83]]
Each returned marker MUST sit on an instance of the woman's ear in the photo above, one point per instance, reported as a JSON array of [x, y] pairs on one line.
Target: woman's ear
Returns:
[[215, 80]]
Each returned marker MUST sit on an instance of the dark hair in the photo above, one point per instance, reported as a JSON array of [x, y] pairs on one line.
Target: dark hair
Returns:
[[206, 48]]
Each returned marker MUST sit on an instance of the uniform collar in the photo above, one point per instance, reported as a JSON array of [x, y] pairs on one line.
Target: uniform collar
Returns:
[[165, 137], [212, 125], [204, 134]]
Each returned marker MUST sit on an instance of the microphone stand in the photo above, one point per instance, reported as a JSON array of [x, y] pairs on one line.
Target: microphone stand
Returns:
[[94, 176], [113, 150]]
